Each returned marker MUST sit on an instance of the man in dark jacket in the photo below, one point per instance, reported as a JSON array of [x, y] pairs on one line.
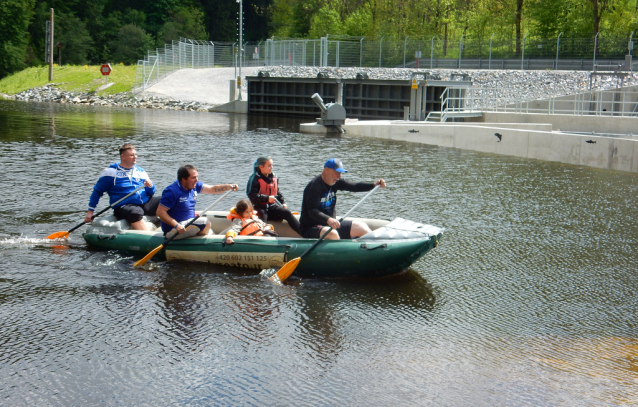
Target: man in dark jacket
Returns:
[[320, 199]]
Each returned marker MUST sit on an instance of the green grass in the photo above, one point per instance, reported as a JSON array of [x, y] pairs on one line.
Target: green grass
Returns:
[[71, 78]]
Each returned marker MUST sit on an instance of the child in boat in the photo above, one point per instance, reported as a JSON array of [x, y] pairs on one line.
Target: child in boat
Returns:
[[246, 223]]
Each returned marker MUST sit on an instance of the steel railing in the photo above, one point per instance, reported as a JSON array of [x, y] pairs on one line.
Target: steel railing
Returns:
[[340, 51], [456, 101]]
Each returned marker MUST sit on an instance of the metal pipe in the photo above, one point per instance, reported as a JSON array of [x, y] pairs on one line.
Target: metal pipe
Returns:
[[380, 50], [319, 102], [523, 53], [361, 53], [432, 51], [630, 46], [405, 42], [241, 44], [557, 49], [489, 65], [593, 64], [461, 50]]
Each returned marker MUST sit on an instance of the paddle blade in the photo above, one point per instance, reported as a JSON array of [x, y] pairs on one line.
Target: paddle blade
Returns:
[[283, 273], [58, 235], [146, 258]]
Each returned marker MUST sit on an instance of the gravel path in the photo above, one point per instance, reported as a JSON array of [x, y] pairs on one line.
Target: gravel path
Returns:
[[209, 86]]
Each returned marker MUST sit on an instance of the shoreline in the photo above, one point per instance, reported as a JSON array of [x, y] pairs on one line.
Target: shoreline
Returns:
[[526, 85]]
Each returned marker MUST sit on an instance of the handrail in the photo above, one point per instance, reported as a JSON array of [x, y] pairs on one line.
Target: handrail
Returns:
[[617, 102], [150, 74]]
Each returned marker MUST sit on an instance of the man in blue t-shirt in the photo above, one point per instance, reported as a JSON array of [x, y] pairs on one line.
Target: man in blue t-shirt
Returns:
[[177, 206]]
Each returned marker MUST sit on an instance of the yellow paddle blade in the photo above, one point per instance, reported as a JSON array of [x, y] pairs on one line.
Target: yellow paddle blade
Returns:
[[58, 235], [283, 273], [148, 256]]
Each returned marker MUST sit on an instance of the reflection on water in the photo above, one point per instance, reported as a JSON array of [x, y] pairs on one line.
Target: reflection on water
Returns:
[[529, 299]]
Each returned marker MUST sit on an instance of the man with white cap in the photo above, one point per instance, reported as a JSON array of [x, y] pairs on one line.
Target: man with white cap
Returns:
[[318, 213]]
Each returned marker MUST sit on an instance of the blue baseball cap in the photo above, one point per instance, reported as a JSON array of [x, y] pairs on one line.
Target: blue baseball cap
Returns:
[[335, 164]]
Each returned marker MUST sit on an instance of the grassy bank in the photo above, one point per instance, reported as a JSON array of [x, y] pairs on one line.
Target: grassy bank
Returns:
[[71, 78]]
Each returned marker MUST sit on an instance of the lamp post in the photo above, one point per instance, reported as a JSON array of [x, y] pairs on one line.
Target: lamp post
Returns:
[[405, 43], [523, 53], [630, 46], [557, 49], [432, 51], [241, 43], [593, 64], [489, 64]]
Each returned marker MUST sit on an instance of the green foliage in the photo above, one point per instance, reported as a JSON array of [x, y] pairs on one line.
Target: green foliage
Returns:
[[326, 21], [131, 44], [72, 34], [14, 20], [358, 22], [186, 23]]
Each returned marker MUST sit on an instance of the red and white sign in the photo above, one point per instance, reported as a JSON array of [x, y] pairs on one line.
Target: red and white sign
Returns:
[[106, 69]]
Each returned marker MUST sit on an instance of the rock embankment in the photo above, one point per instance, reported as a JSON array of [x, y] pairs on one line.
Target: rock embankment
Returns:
[[49, 93], [499, 86]]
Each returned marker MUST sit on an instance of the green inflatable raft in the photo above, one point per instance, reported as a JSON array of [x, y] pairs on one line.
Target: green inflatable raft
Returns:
[[391, 247]]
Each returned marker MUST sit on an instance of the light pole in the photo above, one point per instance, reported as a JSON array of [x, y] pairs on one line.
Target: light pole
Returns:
[[241, 43], [557, 49], [432, 51], [489, 64], [523, 53]]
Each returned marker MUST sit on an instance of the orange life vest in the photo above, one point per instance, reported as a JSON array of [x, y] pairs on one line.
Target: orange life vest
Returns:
[[268, 189], [250, 227]]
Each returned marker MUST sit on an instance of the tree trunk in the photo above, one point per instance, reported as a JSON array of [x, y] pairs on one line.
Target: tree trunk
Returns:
[[596, 15], [519, 13]]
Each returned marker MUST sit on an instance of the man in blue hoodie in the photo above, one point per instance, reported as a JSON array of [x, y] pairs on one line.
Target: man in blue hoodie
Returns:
[[119, 180]]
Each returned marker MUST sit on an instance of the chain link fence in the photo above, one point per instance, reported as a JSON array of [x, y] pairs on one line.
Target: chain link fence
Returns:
[[560, 53]]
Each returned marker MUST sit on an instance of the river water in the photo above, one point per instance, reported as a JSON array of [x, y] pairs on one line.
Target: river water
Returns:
[[530, 299]]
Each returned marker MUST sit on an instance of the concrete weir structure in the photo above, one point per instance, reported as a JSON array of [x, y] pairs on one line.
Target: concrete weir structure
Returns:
[[536, 140]]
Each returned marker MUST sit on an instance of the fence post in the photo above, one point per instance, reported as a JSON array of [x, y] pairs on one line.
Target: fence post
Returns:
[[523, 53], [432, 52], [630, 46], [489, 65], [405, 42], [557, 49], [461, 50], [380, 49], [361, 53], [337, 61], [593, 64]]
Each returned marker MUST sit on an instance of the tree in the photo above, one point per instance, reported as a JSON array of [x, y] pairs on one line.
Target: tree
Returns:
[[132, 43], [15, 16], [185, 22], [326, 21], [72, 34]]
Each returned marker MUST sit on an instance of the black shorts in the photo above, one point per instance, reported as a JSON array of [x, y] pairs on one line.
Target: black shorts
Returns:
[[314, 232], [134, 213]]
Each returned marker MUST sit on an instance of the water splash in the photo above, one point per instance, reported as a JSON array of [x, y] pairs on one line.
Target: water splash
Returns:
[[31, 241]]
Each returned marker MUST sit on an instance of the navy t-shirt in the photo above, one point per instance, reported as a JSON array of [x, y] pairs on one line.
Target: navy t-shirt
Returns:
[[320, 199], [180, 202]]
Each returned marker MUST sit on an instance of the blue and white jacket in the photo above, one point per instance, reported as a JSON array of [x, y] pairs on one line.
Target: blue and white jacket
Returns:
[[119, 182]]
